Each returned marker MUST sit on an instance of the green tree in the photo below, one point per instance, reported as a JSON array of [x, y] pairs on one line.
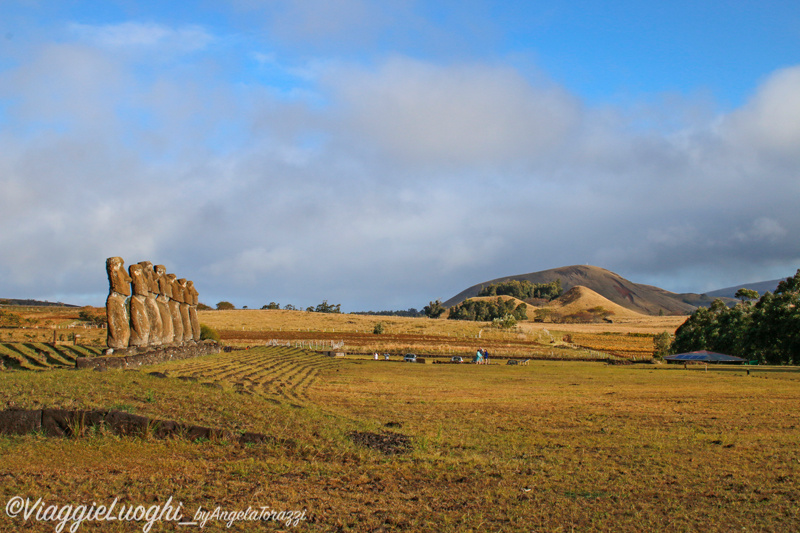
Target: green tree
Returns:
[[768, 330], [487, 310], [325, 307], [745, 295], [434, 309], [225, 306], [661, 345]]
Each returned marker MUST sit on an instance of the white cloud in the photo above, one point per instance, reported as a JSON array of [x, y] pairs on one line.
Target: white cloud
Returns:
[[763, 228], [144, 36], [453, 115], [771, 119], [411, 179]]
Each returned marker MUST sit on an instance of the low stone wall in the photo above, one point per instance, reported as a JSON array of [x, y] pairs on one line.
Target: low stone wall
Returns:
[[150, 357], [67, 423]]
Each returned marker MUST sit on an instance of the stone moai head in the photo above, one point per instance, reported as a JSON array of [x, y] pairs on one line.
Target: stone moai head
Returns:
[[119, 280], [164, 285], [193, 294], [177, 289], [150, 275], [141, 285]]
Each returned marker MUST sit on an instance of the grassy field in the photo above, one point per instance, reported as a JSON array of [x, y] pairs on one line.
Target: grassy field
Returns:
[[249, 327], [552, 446], [438, 337]]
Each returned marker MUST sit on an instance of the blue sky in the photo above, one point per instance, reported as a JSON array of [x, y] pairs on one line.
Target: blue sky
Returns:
[[384, 154]]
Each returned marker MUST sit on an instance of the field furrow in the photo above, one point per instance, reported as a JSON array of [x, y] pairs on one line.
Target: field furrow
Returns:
[[273, 373]]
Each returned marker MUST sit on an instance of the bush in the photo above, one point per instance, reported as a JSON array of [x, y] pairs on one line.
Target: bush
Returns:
[[88, 314], [378, 329], [225, 306], [661, 345], [208, 333], [507, 321], [434, 309]]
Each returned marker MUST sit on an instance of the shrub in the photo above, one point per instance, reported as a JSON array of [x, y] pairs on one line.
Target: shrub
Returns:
[[378, 329], [434, 309], [225, 306], [506, 321], [88, 314], [661, 345], [208, 333]]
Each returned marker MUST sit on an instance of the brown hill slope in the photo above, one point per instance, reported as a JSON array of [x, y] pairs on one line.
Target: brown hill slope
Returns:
[[580, 298], [637, 297]]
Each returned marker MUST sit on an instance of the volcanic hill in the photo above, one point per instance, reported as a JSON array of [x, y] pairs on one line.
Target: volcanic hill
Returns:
[[645, 299]]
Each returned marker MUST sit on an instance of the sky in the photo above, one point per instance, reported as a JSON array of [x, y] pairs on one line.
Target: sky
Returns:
[[383, 154]]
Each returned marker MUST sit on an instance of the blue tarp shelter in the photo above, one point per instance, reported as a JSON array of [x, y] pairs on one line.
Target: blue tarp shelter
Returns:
[[703, 356]]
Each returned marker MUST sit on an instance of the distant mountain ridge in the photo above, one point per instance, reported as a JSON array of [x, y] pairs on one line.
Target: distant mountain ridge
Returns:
[[32, 303], [759, 286], [645, 299]]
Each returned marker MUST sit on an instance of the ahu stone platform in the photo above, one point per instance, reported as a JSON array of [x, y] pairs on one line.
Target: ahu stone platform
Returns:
[[134, 358]]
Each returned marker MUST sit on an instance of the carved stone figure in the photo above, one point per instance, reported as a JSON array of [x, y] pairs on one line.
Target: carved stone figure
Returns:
[[119, 329], [140, 322], [187, 322], [153, 313], [176, 297], [164, 293], [193, 300]]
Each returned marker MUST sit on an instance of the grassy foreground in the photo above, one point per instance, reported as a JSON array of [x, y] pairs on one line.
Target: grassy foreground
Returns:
[[553, 446]]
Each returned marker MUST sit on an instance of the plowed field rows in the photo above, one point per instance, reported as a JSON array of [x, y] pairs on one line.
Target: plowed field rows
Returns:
[[276, 373], [40, 356], [628, 346], [442, 345]]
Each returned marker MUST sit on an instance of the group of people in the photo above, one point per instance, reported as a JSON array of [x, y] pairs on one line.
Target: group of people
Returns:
[[481, 357]]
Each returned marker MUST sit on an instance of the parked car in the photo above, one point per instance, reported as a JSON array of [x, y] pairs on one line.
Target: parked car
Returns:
[[410, 358], [457, 359]]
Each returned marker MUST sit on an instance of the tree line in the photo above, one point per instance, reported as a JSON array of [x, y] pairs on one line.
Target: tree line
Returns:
[[766, 329], [483, 310], [488, 310], [523, 289]]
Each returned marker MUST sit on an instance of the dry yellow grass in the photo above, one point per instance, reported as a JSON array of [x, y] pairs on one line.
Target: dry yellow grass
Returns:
[[426, 336], [546, 447]]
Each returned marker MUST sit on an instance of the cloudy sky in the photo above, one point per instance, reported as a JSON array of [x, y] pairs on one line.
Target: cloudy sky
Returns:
[[382, 154]]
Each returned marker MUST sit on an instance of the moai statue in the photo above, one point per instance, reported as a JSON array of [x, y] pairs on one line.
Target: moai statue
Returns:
[[176, 297], [187, 322], [193, 300], [140, 322], [153, 312], [164, 293], [119, 328]]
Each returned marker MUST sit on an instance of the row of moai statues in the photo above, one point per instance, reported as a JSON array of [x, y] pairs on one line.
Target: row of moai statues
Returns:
[[163, 308]]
